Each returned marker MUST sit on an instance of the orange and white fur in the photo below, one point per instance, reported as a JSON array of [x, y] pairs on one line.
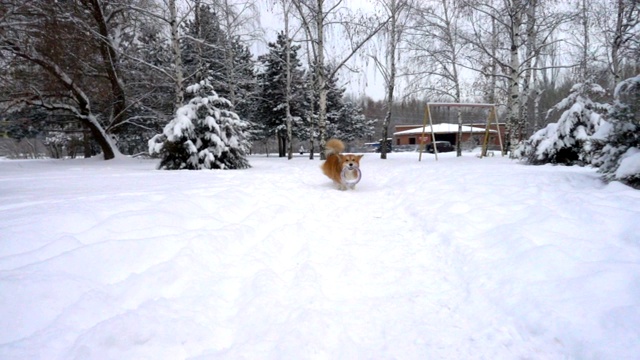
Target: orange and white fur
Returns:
[[336, 161]]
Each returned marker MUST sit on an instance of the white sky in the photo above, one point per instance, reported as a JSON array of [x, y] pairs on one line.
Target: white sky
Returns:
[[367, 81]]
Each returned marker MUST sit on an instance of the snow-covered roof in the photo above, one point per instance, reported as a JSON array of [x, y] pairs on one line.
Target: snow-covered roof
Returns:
[[443, 128]]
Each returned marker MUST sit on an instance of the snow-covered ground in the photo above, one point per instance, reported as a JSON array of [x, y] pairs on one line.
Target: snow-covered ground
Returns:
[[463, 258]]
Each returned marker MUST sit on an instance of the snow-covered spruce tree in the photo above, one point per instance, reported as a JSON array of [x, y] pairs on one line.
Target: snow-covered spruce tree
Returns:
[[620, 157], [569, 141], [273, 99], [204, 134], [351, 124]]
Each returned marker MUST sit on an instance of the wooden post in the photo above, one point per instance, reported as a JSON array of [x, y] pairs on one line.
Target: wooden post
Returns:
[[427, 116], [485, 142], [424, 125], [433, 136], [495, 117], [492, 117]]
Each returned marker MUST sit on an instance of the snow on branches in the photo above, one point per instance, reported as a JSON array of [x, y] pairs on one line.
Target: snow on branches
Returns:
[[606, 136], [620, 156], [569, 141], [204, 134]]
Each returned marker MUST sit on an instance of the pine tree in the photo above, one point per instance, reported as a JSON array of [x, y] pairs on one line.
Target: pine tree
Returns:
[[202, 50], [150, 91], [241, 84], [569, 141], [620, 156], [204, 134], [352, 124], [345, 120], [205, 51], [334, 100], [272, 98]]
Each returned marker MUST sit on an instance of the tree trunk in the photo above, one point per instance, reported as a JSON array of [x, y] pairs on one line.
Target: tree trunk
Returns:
[[584, 62], [197, 18], [528, 72], [513, 121], [230, 56], [102, 138], [177, 57], [617, 43], [312, 131], [536, 109], [387, 118], [459, 135], [537, 92], [112, 67], [86, 140], [311, 112], [82, 110], [451, 43], [311, 149], [315, 27], [282, 144], [288, 84], [391, 81], [494, 62], [322, 101]]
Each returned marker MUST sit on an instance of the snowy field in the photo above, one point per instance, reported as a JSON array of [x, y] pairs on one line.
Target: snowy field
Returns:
[[463, 258]]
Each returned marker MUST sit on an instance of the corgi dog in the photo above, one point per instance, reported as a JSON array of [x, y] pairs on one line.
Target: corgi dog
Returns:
[[343, 169]]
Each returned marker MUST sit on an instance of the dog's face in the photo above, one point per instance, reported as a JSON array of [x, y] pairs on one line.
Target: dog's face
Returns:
[[350, 161]]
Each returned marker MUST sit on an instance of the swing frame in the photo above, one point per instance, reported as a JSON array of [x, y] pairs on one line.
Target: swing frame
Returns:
[[492, 117]]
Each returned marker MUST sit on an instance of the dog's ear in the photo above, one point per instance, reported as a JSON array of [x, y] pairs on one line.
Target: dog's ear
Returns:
[[340, 157], [359, 157]]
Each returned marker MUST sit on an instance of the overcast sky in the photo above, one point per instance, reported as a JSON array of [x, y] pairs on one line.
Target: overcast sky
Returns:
[[368, 81]]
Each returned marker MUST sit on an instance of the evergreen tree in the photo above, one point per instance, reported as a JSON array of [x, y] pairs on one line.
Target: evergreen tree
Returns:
[[241, 84], [204, 134], [620, 156], [335, 103], [272, 79], [352, 124], [569, 141], [203, 48], [150, 91], [345, 120], [26, 123], [226, 62]]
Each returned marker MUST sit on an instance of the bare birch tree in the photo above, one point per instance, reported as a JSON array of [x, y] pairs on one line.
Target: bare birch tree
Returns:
[[580, 39], [509, 20], [312, 90], [286, 7], [316, 16], [396, 12], [543, 23], [619, 22], [238, 21], [519, 48], [170, 16], [178, 71], [437, 54], [529, 73]]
